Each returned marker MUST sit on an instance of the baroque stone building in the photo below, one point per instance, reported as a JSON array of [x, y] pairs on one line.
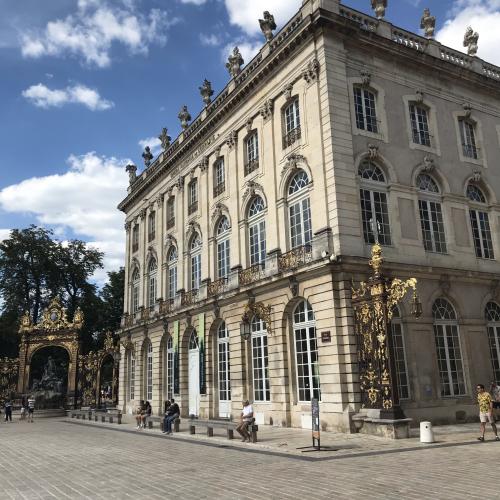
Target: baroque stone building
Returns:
[[245, 235]]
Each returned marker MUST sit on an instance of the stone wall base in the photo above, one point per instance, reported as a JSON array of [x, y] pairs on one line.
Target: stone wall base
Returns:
[[390, 429]]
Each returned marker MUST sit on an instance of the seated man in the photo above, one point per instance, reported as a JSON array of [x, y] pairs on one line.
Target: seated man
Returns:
[[246, 419], [173, 412]]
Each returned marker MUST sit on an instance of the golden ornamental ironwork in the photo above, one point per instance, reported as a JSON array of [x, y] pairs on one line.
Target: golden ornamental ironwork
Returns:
[[217, 287], [263, 312], [250, 275], [295, 258]]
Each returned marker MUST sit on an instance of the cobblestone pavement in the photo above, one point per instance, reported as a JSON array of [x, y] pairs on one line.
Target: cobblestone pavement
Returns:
[[60, 459]]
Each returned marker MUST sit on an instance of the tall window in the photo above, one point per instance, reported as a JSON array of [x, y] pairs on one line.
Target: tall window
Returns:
[[219, 177], [366, 111], [468, 138], [152, 271], [222, 241], [171, 212], [306, 351], [223, 362], [172, 272], [192, 196], [431, 217], [420, 125], [291, 116], [257, 231], [492, 314], [252, 153], [131, 374], [260, 362], [149, 372], [299, 210], [398, 346], [374, 212], [152, 226], [135, 238], [449, 353], [195, 255], [480, 223], [169, 369], [135, 290]]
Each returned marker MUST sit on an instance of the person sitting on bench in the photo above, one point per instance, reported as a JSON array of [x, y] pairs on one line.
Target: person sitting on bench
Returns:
[[246, 419], [139, 413], [147, 413], [173, 412]]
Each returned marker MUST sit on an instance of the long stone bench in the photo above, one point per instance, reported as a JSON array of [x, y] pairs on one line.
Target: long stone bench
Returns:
[[157, 419], [230, 427]]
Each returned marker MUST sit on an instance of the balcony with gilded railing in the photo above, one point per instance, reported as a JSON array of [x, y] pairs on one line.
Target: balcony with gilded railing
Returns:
[[295, 258], [251, 274], [217, 287], [219, 189], [251, 166], [189, 298]]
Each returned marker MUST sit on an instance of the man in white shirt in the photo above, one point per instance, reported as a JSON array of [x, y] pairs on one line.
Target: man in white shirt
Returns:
[[246, 419]]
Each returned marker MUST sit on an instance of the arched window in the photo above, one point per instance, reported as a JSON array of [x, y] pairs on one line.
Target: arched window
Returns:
[[398, 344], [169, 368], [260, 361], [299, 210], [431, 217], [374, 211], [152, 270], [223, 363], [480, 223], [195, 256], [257, 231], [492, 313], [149, 372], [365, 106], [136, 279], [306, 352], [172, 272], [419, 118], [449, 353], [131, 374], [222, 241]]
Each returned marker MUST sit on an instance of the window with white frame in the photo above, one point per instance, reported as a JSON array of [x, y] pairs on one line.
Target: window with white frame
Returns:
[[131, 374], [431, 217], [223, 363], [257, 231], [468, 138], [171, 212], [135, 238], [219, 177], [492, 313], [251, 153], [291, 116], [398, 346], [366, 109], [449, 353], [193, 196], [172, 272], [222, 241], [419, 118], [135, 290], [306, 352], [152, 226], [149, 372], [374, 211], [195, 256], [260, 361], [480, 223], [152, 279], [169, 369], [299, 210]]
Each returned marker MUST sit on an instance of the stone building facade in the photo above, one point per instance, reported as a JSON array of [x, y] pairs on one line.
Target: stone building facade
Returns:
[[245, 235]]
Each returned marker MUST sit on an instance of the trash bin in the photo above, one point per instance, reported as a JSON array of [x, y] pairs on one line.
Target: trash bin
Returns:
[[426, 434]]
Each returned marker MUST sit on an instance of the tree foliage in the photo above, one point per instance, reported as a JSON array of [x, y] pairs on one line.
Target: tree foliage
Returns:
[[35, 267]]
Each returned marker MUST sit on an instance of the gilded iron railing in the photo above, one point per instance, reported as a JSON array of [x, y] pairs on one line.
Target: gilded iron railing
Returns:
[[290, 137], [217, 287], [189, 298], [251, 274], [295, 258], [250, 166]]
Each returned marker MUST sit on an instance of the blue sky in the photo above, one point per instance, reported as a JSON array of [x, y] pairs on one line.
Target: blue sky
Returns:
[[83, 82]]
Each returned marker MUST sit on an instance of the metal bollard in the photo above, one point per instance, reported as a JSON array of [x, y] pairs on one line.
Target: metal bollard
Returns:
[[426, 434]]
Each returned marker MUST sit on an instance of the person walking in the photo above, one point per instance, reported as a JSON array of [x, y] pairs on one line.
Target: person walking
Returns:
[[8, 410], [31, 408], [173, 412], [485, 411]]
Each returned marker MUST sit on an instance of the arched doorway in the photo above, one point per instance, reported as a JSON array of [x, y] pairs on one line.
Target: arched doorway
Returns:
[[194, 374], [48, 377], [106, 381]]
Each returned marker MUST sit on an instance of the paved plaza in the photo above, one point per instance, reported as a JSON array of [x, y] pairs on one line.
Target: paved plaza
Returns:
[[65, 459]]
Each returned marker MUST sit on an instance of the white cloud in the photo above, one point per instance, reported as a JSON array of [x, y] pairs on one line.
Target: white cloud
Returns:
[[484, 17], [246, 15], [83, 200], [195, 2], [153, 142], [91, 31], [211, 40], [4, 234], [43, 97]]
